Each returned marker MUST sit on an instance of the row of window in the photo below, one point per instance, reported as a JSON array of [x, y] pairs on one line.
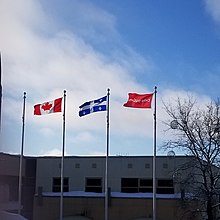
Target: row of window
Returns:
[[128, 185], [134, 185], [129, 165]]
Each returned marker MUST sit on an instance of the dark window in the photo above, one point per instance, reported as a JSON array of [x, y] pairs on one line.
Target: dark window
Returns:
[[93, 185], [165, 190], [77, 165], [135, 185], [165, 186], [146, 185], [129, 182], [165, 165], [130, 165], [57, 184], [129, 185], [30, 167], [147, 165], [146, 182], [94, 165], [166, 183]]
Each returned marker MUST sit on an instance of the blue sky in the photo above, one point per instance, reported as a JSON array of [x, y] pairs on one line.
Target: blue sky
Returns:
[[86, 47]]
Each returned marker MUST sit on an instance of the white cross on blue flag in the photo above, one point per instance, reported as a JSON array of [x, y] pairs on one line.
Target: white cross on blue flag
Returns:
[[93, 106]]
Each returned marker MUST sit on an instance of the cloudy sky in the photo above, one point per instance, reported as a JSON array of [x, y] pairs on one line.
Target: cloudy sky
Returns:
[[88, 46]]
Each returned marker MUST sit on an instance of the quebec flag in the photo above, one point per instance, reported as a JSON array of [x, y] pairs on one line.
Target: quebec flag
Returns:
[[93, 106]]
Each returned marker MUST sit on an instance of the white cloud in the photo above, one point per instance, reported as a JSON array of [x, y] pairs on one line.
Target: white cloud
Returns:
[[96, 25], [169, 97], [53, 152], [98, 153], [213, 8], [84, 137], [43, 60], [47, 132]]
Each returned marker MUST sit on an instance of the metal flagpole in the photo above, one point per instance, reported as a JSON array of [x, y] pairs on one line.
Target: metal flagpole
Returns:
[[0, 91], [62, 159], [154, 157], [106, 165], [21, 158]]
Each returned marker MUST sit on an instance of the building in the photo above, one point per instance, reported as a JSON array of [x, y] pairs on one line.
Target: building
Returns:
[[130, 187], [9, 178]]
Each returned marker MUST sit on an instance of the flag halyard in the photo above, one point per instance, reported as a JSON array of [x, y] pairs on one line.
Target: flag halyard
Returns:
[[93, 106]]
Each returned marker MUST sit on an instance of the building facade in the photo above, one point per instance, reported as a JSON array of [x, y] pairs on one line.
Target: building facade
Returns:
[[9, 184], [130, 187]]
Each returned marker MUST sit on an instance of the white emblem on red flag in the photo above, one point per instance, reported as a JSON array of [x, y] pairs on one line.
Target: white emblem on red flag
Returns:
[[139, 100]]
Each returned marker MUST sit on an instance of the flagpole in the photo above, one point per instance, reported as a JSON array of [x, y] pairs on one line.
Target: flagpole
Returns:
[[21, 157], [62, 159], [0, 91], [154, 157], [106, 165]]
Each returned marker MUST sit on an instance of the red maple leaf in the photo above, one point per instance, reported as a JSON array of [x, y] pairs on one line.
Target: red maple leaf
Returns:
[[46, 106]]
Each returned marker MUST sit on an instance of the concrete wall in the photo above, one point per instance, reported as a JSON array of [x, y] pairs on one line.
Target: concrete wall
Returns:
[[9, 165], [49, 167]]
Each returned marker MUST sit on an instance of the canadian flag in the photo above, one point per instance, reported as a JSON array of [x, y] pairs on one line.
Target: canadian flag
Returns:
[[48, 107]]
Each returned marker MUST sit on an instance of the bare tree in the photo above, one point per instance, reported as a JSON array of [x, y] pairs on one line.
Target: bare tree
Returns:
[[197, 133]]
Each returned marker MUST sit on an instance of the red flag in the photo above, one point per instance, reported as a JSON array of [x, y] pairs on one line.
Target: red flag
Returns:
[[139, 100], [48, 107]]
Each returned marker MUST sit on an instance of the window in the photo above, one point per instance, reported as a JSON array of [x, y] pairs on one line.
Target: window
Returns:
[[135, 185], [147, 165], [165, 165], [94, 165], [57, 184], [165, 186], [129, 185], [93, 185], [30, 168], [130, 165], [77, 165], [146, 185]]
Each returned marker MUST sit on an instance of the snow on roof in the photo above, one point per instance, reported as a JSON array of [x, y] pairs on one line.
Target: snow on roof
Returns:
[[10, 216], [115, 195], [75, 218]]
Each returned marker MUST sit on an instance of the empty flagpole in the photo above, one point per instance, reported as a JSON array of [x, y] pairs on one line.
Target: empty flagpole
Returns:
[[106, 165], [0, 91], [154, 156], [21, 157], [62, 159]]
